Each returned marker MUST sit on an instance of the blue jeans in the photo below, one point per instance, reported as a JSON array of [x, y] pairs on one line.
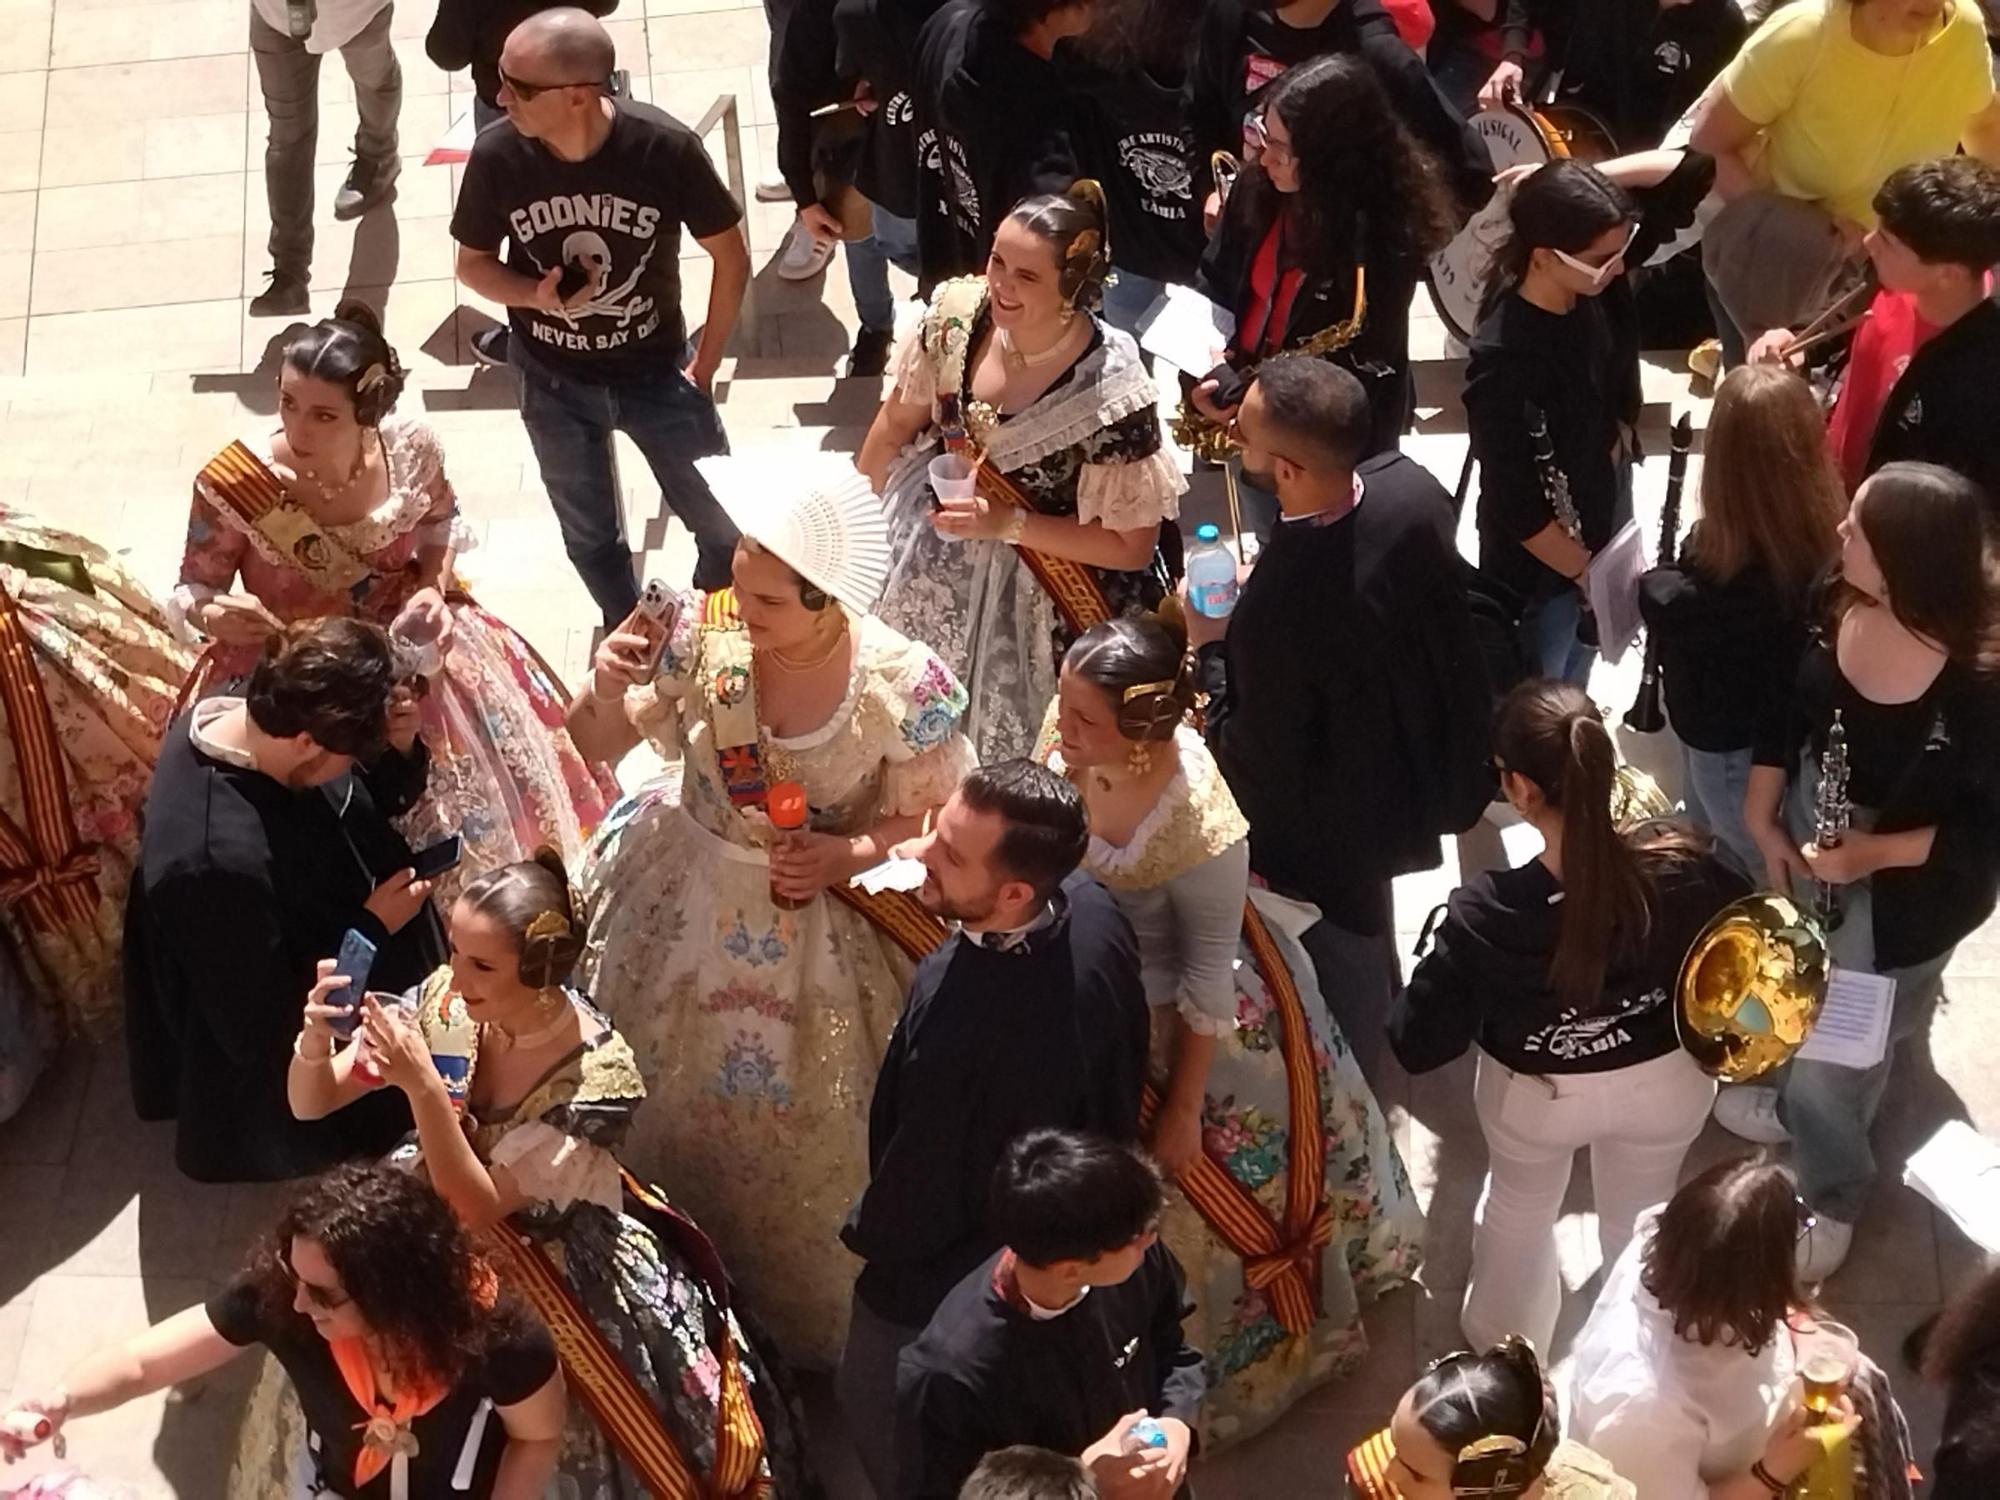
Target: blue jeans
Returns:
[[1829, 1109], [894, 242], [1716, 783], [1127, 295], [570, 423], [1548, 626]]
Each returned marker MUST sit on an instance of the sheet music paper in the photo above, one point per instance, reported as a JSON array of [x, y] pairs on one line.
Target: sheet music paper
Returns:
[[1853, 1026], [1186, 329], [1613, 582], [1958, 1169]]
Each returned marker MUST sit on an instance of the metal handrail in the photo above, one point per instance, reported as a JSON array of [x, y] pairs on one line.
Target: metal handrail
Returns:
[[723, 111]]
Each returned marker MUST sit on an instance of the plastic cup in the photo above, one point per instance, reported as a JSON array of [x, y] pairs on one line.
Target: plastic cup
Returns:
[[952, 477], [1828, 1354]]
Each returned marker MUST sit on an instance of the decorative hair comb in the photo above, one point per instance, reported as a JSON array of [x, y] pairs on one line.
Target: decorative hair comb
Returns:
[[371, 377], [550, 924]]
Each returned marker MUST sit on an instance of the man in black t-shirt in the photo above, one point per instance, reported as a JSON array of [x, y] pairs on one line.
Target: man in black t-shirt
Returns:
[[589, 195]]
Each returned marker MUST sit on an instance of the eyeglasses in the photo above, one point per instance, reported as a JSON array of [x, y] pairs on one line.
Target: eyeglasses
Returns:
[[528, 92], [1603, 270], [319, 1296], [1257, 140]]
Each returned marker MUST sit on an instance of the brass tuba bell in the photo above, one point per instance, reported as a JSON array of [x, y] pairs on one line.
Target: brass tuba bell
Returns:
[[1751, 987]]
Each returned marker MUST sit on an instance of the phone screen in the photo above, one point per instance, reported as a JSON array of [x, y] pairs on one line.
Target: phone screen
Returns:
[[435, 859]]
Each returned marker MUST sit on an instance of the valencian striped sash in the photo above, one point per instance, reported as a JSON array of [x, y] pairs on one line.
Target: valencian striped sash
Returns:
[[622, 1409], [1368, 1466], [245, 483], [46, 868], [1280, 1258], [1078, 596]]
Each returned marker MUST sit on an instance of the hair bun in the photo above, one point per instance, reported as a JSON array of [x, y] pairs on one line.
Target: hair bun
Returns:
[[361, 314], [550, 858]]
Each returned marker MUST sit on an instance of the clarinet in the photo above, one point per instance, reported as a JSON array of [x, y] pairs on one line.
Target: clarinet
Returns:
[[1644, 714], [1562, 505], [1831, 814]]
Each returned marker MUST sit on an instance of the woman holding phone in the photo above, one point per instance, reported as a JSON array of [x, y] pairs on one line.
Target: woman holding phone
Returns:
[[523, 1093], [366, 524]]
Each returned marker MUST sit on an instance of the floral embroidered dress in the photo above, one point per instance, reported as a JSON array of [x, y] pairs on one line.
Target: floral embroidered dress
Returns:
[[759, 1030], [107, 666], [1182, 879], [1090, 447], [504, 773]]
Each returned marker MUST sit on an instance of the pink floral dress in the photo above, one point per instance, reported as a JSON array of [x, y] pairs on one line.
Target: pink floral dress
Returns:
[[504, 772]]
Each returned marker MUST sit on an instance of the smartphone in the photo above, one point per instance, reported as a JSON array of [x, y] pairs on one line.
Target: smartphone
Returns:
[[433, 860], [654, 618], [572, 280], [355, 958]]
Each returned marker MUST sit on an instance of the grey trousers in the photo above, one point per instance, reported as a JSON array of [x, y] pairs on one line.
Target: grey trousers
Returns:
[[288, 75], [866, 1388]]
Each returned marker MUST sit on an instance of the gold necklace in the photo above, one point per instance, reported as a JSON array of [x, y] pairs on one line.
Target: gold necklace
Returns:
[[1020, 360], [512, 1043], [786, 663]]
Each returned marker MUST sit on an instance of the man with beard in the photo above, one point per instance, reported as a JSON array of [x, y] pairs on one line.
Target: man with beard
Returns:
[[995, 123], [1244, 44], [1348, 702], [1031, 1014]]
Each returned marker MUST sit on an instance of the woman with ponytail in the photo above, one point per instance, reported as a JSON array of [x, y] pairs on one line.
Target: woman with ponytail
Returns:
[[1237, 1015], [366, 524], [1482, 1424], [1562, 972], [522, 1092]]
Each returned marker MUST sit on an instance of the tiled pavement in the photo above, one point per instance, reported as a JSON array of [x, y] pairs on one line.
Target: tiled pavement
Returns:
[[131, 233]]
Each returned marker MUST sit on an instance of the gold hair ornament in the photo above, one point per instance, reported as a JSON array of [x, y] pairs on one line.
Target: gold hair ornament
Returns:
[[549, 924], [371, 377]]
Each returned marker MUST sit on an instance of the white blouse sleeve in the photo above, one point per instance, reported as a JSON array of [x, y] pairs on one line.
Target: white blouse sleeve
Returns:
[[1654, 1445], [1130, 494], [551, 1167], [916, 377], [1207, 906]]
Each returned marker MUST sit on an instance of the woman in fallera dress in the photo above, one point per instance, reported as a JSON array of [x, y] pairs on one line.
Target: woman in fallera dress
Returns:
[[1061, 405], [523, 1094], [757, 999], [347, 510], [1259, 1109]]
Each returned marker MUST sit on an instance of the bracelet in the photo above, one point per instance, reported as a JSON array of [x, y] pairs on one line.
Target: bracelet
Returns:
[[1014, 525], [618, 697], [1763, 1476], [298, 1050]]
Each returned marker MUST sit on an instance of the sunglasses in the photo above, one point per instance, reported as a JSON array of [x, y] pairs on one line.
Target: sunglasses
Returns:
[[1603, 270], [320, 1297], [527, 93]]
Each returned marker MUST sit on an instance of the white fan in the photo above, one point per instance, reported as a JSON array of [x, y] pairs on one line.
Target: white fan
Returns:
[[814, 511]]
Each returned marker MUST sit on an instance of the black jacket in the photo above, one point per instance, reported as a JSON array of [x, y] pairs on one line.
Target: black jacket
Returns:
[[877, 40], [995, 125], [1582, 369], [1943, 772], [1638, 65], [470, 34], [1349, 706], [1941, 408], [1722, 646], [1131, 135], [243, 885], [992, 1044], [1485, 979], [986, 1375], [1218, 95], [1379, 356]]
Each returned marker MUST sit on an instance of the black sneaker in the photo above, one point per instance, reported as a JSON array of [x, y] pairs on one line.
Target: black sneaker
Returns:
[[870, 355], [489, 347], [285, 296], [368, 184]]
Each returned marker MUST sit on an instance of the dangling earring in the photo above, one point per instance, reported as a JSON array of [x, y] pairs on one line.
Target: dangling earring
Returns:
[[1068, 313], [1139, 757]]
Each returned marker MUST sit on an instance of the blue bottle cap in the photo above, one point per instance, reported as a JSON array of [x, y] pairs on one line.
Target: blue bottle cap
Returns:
[[1207, 532]]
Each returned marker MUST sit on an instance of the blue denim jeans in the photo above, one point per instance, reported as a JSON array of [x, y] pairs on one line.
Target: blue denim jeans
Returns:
[[1716, 782], [894, 242], [1828, 1109], [1127, 295], [1548, 626], [570, 423]]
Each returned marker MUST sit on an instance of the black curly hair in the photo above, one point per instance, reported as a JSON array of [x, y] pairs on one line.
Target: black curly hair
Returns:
[[1358, 166], [328, 678], [349, 350], [514, 896], [403, 1257]]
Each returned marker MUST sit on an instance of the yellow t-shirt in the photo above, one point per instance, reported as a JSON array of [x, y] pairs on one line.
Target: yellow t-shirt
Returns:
[[1838, 118]]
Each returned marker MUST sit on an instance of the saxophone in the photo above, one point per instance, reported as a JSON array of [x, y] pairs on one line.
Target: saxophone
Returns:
[[1831, 813], [1211, 440]]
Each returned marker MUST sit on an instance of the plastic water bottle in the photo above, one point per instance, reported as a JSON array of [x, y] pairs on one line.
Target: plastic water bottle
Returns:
[[1145, 1435], [1211, 574]]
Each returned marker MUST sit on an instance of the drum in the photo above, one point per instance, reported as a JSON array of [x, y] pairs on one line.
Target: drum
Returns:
[[1513, 134]]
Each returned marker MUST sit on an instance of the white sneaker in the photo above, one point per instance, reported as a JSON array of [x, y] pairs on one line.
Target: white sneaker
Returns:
[[1824, 1249], [774, 190], [1751, 1112], [805, 257]]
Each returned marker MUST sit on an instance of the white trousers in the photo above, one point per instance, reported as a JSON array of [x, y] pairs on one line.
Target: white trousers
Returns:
[[1638, 1123]]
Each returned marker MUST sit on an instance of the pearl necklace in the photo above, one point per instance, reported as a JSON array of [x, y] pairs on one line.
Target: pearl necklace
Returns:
[[354, 474], [1011, 352]]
